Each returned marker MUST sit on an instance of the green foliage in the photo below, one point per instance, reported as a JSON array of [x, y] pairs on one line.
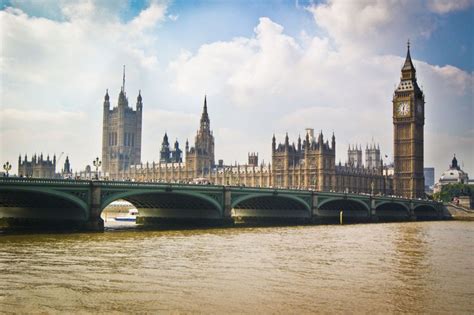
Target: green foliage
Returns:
[[448, 192]]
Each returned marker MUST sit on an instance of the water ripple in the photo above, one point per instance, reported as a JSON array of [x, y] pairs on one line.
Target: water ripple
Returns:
[[375, 268]]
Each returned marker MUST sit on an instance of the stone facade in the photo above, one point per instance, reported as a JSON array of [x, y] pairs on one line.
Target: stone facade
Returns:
[[38, 167], [200, 158], [121, 134], [408, 122], [310, 163]]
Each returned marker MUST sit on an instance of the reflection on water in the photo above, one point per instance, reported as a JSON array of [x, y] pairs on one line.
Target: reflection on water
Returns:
[[378, 268], [411, 271]]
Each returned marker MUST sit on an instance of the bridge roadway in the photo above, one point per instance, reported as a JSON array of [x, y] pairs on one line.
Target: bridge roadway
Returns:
[[78, 204]]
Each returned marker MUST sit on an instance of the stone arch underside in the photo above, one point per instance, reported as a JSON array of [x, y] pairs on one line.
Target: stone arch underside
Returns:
[[271, 207], [426, 212], [352, 209], [392, 211], [170, 205], [38, 206]]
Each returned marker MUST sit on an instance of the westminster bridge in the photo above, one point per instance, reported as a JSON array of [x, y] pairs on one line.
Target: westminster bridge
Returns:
[[27, 202]]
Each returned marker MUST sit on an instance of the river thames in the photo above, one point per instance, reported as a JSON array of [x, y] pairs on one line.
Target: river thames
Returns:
[[363, 268]]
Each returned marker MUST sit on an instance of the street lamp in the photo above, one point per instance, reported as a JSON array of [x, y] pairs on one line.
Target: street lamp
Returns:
[[7, 167], [97, 163], [385, 174]]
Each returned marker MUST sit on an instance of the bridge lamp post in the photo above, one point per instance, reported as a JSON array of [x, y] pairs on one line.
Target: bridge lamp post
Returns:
[[7, 167], [385, 176], [97, 163]]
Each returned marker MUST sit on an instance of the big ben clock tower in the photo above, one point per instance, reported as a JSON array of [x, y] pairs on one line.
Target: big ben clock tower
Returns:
[[408, 122]]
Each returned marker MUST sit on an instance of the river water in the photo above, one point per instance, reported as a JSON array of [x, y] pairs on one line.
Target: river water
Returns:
[[377, 268]]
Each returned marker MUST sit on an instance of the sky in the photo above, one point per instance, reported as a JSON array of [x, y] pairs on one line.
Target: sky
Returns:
[[267, 67]]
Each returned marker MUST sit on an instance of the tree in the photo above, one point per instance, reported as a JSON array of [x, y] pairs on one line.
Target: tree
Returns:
[[448, 192]]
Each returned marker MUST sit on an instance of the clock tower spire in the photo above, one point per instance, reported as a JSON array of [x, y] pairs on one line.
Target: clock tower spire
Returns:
[[408, 124]]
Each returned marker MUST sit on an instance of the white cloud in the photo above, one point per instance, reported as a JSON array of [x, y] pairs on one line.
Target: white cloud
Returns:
[[15, 116], [372, 24], [271, 83], [54, 73], [149, 17], [446, 6]]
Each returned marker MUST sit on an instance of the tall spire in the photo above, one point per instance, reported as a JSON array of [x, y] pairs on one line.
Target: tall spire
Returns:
[[123, 79], [408, 65], [205, 116]]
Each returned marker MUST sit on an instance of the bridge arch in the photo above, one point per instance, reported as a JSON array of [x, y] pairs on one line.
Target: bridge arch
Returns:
[[348, 202], [41, 204], [392, 210], [426, 212], [169, 204], [297, 200], [353, 209], [270, 206]]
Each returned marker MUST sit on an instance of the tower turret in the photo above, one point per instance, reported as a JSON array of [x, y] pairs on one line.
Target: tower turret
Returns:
[[67, 166], [454, 163], [205, 116], [165, 150], [121, 134], [306, 143], [408, 120], [408, 69], [139, 101], [106, 100], [122, 101], [321, 138]]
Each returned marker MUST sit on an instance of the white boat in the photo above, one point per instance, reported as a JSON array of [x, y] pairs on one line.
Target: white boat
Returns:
[[131, 217]]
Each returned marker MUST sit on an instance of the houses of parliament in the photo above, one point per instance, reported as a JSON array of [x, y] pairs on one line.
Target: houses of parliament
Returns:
[[308, 163]]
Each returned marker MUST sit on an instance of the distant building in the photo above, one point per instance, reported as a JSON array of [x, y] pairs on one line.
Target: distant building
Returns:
[[372, 156], [453, 175], [200, 158], [66, 172], [38, 167], [121, 134], [354, 156], [310, 162], [253, 159], [429, 178], [170, 156], [88, 173]]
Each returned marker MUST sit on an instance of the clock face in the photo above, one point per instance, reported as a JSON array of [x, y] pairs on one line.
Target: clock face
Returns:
[[403, 109]]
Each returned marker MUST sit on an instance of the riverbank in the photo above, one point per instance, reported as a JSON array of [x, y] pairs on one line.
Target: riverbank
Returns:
[[459, 213]]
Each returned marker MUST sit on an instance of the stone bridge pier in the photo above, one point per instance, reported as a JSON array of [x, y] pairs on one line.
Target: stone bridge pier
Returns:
[[95, 222]]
